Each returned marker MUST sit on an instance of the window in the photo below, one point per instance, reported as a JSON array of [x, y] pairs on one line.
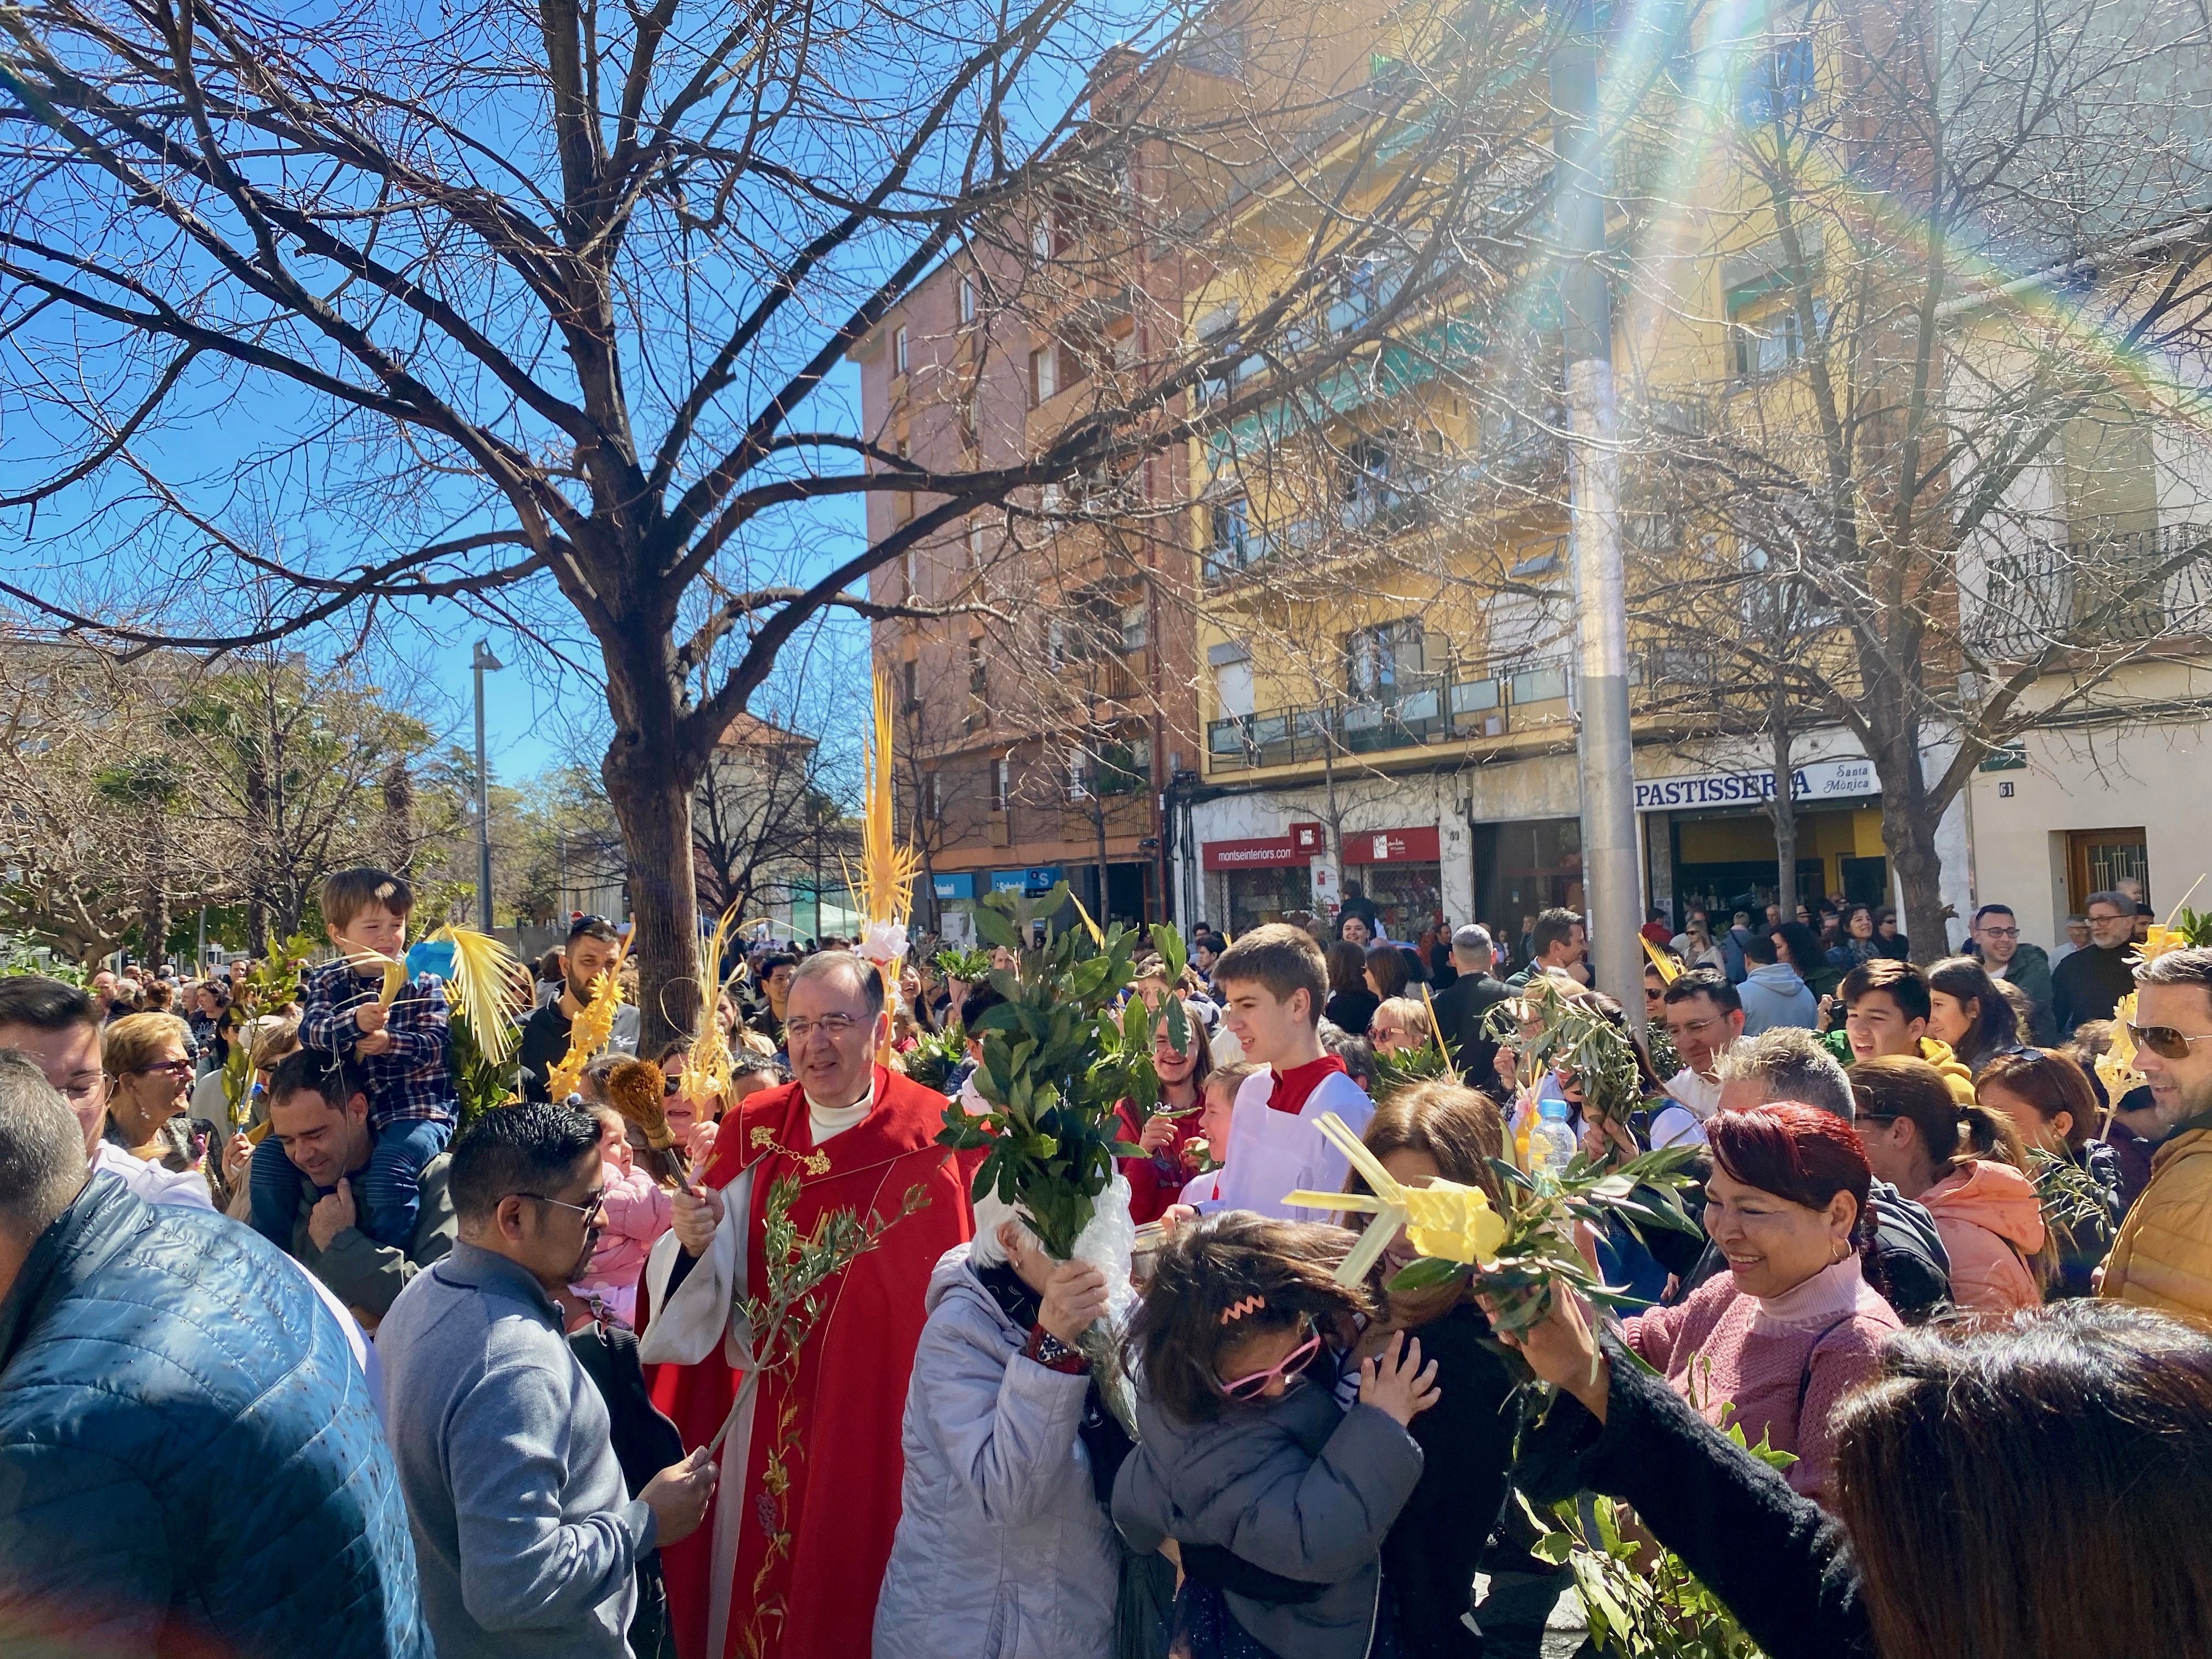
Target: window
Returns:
[[935, 782], [1765, 336], [1044, 374], [1055, 643], [1381, 662], [898, 351], [1042, 242], [910, 567], [1136, 626], [963, 416], [1078, 787], [1002, 778], [909, 672], [967, 299], [1779, 83], [979, 682], [975, 543], [1048, 499], [1228, 540]]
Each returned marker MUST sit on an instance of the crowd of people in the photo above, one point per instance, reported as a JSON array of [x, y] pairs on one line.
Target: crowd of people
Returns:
[[317, 1364]]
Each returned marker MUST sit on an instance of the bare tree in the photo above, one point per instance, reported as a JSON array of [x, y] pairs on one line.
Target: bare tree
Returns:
[[1965, 302], [542, 301]]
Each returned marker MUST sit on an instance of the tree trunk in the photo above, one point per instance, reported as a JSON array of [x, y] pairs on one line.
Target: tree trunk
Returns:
[[257, 927], [1908, 835], [1782, 808]]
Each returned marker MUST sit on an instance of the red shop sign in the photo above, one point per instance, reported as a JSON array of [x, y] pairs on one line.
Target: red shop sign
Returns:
[[1253, 854], [1420, 846]]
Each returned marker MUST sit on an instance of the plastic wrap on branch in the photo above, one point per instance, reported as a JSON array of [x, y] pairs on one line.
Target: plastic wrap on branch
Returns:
[[1513, 1253], [1553, 1025]]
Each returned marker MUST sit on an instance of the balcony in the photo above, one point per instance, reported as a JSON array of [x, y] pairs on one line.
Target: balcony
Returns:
[[1431, 709], [2127, 589]]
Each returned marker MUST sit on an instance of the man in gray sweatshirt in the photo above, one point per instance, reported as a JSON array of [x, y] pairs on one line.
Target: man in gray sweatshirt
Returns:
[[526, 1538]]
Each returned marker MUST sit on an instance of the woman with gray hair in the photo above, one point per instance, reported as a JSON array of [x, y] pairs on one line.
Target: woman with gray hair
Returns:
[[1004, 1544]]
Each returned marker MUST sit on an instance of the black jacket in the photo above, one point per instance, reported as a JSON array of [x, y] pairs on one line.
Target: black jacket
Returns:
[[1782, 1564], [1459, 1011], [1466, 1449], [2088, 984]]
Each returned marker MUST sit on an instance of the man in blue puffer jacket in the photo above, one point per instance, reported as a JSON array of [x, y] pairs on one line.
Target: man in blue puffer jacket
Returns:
[[189, 1458]]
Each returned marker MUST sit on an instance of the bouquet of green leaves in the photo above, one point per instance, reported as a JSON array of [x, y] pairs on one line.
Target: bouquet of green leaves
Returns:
[[969, 967], [935, 1055], [1551, 1027], [1408, 1066], [1058, 1054], [271, 985], [2076, 1206]]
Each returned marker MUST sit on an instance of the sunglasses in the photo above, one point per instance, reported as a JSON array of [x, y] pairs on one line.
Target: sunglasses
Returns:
[[2164, 1040], [1253, 1385]]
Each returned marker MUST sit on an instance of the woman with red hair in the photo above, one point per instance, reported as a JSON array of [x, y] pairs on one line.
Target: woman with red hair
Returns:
[[1794, 1324]]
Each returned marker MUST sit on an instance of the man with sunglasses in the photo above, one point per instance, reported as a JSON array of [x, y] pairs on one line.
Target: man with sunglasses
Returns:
[[526, 1538], [2162, 1258], [318, 1114], [1997, 942]]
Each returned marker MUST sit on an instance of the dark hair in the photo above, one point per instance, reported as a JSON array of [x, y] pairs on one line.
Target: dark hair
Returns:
[[1903, 982], [317, 1073], [2052, 1082], [46, 1005], [1800, 1153], [346, 893], [1387, 963], [1345, 962], [1704, 982], [513, 1149], [1993, 910], [1219, 1261], [1898, 1085], [598, 927], [1996, 1026], [1554, 926], [774, 960], [1759, 947], [1282, 960], [1461, 1129], [549, 968], [1805, 952], [2032, 1486], [980, 1000]]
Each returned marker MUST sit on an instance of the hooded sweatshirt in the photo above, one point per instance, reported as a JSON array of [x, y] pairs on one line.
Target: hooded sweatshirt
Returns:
[[1991, 1222], [1773, 995], [1958, 1076]]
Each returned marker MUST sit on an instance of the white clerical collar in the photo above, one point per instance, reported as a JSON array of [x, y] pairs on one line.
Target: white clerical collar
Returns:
[[828, 1120]]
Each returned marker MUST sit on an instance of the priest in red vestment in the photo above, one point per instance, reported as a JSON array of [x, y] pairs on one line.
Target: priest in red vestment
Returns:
[[790, 1567]]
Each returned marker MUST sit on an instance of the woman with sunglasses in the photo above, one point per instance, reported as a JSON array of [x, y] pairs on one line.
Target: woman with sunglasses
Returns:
[[146, 1056], [1278, 1474], [1400, 1024]]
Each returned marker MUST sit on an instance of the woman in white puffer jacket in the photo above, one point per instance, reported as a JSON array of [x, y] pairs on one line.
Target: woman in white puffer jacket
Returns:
[[1005, 1549]]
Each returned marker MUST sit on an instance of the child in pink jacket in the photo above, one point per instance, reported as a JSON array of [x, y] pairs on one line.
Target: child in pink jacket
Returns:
[[637, 1213]]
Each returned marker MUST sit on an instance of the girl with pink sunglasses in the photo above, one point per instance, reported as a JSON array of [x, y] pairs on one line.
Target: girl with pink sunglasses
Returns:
[[1276, 1468]]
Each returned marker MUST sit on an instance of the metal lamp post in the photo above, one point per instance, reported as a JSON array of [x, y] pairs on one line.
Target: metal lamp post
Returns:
[[478, 664]]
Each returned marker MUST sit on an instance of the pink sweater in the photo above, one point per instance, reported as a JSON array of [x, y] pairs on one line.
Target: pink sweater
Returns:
[[638, 1213], [1740, 1359]]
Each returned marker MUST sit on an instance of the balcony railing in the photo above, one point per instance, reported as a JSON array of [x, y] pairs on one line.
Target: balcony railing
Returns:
[[2126, 588], [1428, 709]]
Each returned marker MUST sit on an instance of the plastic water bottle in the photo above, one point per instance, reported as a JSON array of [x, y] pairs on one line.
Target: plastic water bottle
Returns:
[[1551, 1142]]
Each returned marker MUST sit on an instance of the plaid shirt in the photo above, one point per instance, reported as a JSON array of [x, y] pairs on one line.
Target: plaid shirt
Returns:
[[415, 1079]]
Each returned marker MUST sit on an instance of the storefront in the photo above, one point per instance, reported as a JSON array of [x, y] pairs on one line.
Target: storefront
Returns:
[[1400, 872], [1263, 877], [1525, 868], [1710, 840]]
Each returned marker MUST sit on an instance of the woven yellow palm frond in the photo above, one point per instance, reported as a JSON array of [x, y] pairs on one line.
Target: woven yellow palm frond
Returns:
[[1444, 1220], [1669, 970], [886, 883], [593, 1025], [708, 1067], [485, 989]]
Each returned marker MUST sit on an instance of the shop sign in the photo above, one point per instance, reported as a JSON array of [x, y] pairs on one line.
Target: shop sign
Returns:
[[1416, 846], [1257, 853], [1816, 781], [1031, 883], [958, 884]]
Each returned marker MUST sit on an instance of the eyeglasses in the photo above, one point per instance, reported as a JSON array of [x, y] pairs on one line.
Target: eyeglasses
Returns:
[[174, 1068], [2114, 916], [2164, 1040], [2000, 933], [93, 1093], [1250, 1387], [833, 1026], [594, 1213], [1691, 1027]]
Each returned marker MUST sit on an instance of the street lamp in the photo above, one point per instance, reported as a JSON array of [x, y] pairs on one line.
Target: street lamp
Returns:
[[482, 660]]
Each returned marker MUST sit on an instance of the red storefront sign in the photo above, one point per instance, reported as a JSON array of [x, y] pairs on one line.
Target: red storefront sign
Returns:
[[1421, 846], [1254, 854]]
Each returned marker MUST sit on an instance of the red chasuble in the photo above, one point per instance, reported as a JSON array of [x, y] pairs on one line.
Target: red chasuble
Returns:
[[817, 1598]]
